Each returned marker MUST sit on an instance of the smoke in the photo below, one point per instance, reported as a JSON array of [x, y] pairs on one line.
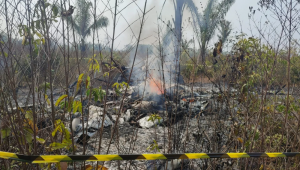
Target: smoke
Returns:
[[154, 69]]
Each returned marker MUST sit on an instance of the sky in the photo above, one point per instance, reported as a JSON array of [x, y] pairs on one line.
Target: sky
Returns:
[[238, 15], [130, 12]]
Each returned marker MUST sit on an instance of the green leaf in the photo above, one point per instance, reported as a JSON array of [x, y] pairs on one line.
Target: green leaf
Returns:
[[63, 104], [60, 99], [88, 81], [118, 92], [67, 138], [90, 67], [56, 145], [55, 130], [106, 74], [94, 65], [70, 104], [280, 108], [88, 92], [125, 84], [54, 10], [59, 126], [102, 93], [244, 89], [80, 108], [40, 140], [43, 40], [77, 105], [95, 93], [117, 85], [29, 115], [5, 132], [28, 134], [79, 81]]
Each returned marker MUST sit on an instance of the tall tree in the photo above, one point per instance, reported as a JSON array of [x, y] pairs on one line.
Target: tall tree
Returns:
[[212, 16], [205, 23], [83, 21], [179, 7]]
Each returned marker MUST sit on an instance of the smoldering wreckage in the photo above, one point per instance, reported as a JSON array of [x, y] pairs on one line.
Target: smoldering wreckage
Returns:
[[136, 133], [138, 107], [192, 115]]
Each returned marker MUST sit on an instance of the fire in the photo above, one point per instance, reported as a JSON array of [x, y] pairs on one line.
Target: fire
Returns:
[[155, 86]]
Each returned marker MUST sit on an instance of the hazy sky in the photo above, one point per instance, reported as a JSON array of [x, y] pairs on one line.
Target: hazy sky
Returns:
[[130, 12], [238, 15]]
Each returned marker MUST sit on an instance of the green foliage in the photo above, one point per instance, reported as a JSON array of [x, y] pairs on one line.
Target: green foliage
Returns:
[[254, 141], [87, 82], [60, 127], [276, 141], [70, 105], [154, 117], [5, 132], [44, 15], [40, 140], [110, 66], [119, 86], [97, 93], [212, 16], [83, 21], [77, 106], [254, 61], [225, 30], [44, 86], [60, 99], [106, 74], [79, 82], [154, 146], [280, 108], [94, 64]]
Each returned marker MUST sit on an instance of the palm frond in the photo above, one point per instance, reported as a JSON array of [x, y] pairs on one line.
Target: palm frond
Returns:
[[225, 29], [211, 18], [194, 11], [100, 22], [83, 16], [223, 7], [208, 22]]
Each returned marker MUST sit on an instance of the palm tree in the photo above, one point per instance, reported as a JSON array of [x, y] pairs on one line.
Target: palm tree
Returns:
[[179, 7], [83, 21], [205, 24], [210, 19]]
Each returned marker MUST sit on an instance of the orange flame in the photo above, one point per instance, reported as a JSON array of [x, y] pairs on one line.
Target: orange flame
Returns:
[[155, 86]]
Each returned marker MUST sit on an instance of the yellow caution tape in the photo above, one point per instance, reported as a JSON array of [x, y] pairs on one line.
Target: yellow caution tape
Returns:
[[72, 158]]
